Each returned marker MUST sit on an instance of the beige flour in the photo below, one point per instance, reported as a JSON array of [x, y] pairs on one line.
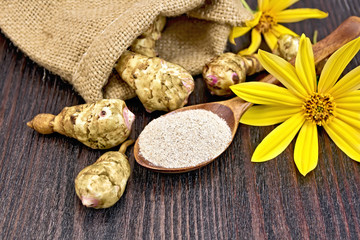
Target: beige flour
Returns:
[[184, 139]]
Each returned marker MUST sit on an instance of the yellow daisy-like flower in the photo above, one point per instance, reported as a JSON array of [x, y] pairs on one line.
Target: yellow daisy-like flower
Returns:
[[302, 105], [265, 22]]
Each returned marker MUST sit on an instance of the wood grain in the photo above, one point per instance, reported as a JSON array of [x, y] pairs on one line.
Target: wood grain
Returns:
[[231, 198]]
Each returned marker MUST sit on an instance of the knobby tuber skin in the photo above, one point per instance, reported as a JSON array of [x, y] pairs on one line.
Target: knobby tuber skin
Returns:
[[229, 69], [102, 184], [159, 85], [100, 125], [287, 47], [145, 43]]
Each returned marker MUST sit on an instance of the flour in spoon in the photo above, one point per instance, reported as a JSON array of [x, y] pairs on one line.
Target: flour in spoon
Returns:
[[184, 139]]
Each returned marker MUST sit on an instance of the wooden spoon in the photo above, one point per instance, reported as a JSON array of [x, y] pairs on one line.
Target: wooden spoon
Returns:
[[232, 109]]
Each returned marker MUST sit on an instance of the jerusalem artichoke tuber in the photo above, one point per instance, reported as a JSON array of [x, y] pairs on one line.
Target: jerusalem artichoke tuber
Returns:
[[101, 184], [100, 125], [287, 47], [228, 69], [160, 85], [145, 43]]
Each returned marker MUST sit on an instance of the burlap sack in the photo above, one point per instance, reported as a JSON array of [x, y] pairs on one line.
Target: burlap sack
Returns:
[[81, 40]]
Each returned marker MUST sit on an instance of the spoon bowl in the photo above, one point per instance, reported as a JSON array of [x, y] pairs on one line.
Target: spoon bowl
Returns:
[[231, 110]]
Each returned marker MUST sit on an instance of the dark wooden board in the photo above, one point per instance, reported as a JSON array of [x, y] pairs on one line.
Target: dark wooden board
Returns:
[[231, 198]]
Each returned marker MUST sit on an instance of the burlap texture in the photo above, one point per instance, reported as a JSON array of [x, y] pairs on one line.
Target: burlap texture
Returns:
[[81, 40]]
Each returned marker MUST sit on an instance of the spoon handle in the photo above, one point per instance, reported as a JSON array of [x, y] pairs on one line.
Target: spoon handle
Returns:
[[347, 31]]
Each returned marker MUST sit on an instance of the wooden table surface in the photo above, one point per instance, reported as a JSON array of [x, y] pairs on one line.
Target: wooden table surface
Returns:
[[231, 198]]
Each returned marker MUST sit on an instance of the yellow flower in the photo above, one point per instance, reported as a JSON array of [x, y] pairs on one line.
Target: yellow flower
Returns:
[[272, 12], [302, 105]]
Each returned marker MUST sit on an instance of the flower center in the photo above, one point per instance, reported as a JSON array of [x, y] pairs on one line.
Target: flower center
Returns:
[[319, 108], [266, 22]]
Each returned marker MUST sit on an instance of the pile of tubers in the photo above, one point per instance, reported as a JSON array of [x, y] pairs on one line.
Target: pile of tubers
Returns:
[[104, 124], [159, 85], [100, 125]]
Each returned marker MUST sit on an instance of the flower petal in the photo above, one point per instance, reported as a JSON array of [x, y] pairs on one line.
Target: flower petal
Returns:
[[299, 14], [263, 5], [345, 137], [265, 115], [306, 150], [305, 64], [279, 30], [270, 39], [265, 93], [336, 65], [351, 117], [350, 82], [276, 142], [351, 101], [280, 5], [237, 32], [255, 43], [252, 23], [283, 71]]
